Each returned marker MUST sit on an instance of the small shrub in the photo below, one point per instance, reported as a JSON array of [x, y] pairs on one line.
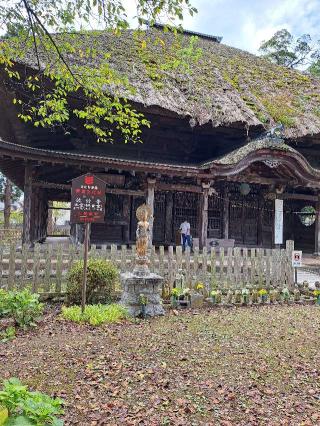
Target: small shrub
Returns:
[[29, 408], [95, 314], [3, 302], [8, 334], [24, 307], [102, 278]]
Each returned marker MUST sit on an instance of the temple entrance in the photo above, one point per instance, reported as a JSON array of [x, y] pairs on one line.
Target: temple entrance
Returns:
[[244, 214], [297, 227]]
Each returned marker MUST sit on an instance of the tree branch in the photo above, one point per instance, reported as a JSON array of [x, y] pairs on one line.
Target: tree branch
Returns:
[[33, 13]]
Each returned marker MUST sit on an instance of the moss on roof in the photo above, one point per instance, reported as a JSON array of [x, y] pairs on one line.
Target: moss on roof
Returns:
[[223, 85], [237, 155]]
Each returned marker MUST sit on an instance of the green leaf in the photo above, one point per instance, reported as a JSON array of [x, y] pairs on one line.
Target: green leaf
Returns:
[[3, 415], [19, 421]]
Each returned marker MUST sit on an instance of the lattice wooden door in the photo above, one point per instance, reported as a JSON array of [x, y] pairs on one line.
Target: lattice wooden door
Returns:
[[159, 222], [186, 206], [243, 218], [215, 214]]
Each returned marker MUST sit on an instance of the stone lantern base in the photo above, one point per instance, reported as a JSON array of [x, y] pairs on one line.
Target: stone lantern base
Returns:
[[134, 284]]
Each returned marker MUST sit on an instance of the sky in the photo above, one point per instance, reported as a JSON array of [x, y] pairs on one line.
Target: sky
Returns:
[[246, 23]]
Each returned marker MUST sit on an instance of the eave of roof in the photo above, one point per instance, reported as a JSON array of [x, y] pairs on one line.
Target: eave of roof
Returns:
[[217, 39], [229, 165]]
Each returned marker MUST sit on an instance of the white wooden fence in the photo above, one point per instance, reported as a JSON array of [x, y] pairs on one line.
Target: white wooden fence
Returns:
[[44, 269]]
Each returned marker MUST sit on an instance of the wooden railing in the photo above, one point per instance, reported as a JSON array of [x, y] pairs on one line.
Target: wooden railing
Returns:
[[10, 234], [44, 269]]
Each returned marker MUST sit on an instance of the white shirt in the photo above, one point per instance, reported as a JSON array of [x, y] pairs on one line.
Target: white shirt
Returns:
[[185, 228]]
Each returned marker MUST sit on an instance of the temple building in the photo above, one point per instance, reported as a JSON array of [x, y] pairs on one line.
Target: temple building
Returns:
[[209, 155]]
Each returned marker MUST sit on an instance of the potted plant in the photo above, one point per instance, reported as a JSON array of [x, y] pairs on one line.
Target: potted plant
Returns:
[[218, 297], [254, 296], [237, 297], [263, 294], [197, 298], [229, 297], [316, 293], [272, 296], [213, 295], [143, 300], [184, 297], [175, 293], [245, 296], [286, 294], [296, 295]]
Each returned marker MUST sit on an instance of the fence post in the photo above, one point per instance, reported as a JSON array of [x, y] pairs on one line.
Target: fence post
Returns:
[[36, 267], [161, 261], [195, 262], [290, 269], [268, 264], [205, 268], [170, 266], [221, 259], [213, 280], [59, 267], [123, 264], [47, 273], [245, 277], [187, 267], [12, 266]]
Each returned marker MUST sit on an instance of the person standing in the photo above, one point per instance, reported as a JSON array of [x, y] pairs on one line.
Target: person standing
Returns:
[[185, 234]]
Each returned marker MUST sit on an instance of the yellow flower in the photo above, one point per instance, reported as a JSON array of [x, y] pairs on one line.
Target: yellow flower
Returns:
[[199, 286]]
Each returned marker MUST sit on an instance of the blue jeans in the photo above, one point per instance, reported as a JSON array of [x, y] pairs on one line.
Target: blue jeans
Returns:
[[186, 240]]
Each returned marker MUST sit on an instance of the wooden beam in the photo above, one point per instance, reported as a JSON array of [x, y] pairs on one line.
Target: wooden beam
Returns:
[[204, 215], [151, 182], [303, 197], [257, 179], [51, 185], [169, 218], [117, 191], [162, 186], [126, 216], [27, 203], [317, 229], [226, 203]]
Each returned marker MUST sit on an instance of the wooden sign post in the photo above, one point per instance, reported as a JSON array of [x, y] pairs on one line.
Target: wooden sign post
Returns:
[[88, 199], [296, 263]]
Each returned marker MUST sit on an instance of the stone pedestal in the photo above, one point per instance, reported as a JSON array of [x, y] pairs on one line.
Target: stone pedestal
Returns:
[[150, 285]]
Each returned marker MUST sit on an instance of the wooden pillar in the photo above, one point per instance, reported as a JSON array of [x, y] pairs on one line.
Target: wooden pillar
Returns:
[[7, 203], [226, 204], [204, 215], [260, 221], [43, 215], [27, 204], [317, 229], [34, 226], [150, 201], [169, 218], [126, 216]]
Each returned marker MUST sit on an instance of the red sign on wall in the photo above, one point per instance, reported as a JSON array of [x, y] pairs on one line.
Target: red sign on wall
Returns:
[[88, 199]]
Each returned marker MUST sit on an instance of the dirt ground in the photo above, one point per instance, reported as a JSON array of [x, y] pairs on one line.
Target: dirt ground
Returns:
[[243, 366]]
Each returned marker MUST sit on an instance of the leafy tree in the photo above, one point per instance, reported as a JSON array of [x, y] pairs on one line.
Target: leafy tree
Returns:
[[50, 30], [283, 49], [9, 194], [314, 68]]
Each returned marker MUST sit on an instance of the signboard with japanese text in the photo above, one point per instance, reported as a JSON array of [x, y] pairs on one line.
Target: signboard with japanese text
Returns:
[[297, 258], [278, 222], [88, 199]]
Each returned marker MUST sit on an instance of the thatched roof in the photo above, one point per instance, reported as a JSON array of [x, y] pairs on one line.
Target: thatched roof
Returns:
[[226, 86]]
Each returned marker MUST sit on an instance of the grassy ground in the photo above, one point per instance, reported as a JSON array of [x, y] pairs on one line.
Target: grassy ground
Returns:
[[250, 366]]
